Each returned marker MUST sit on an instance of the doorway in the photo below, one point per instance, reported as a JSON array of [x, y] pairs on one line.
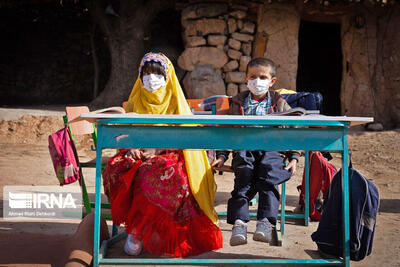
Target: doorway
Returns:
[[320, 63]]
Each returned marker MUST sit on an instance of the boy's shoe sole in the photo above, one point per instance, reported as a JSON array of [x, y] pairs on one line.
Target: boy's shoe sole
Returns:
[[238, 240], [261, 237]]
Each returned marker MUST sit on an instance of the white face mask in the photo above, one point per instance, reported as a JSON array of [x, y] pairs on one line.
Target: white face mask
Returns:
[[153, 82], [258, 86]]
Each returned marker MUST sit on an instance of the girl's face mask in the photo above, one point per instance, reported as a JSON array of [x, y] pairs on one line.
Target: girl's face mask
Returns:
[[258, 86], [153, 82]]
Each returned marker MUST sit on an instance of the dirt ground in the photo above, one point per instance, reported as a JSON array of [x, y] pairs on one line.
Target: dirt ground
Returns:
[[25, 160]]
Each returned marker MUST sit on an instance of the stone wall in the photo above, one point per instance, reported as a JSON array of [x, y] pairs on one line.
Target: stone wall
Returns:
[[371, 54], [359, 49], [221, 38], [280, 24], [390, 49], [371, 73], [218, 41]]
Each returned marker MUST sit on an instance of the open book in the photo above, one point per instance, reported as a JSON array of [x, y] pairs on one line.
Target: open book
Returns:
[[297, 111], [76, 111], [112, 110]]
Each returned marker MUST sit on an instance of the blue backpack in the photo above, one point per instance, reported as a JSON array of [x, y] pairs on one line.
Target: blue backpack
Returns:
[[307, 100], [364, 203]]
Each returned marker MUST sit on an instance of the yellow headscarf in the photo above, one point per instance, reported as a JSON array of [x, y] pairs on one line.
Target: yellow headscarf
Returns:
[[170, 100]]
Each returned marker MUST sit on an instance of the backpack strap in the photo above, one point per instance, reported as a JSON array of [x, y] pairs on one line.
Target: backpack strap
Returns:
[[350, 162]]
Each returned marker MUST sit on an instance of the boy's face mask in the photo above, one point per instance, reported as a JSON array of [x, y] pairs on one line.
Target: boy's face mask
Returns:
[[153, 82], [258, 86]]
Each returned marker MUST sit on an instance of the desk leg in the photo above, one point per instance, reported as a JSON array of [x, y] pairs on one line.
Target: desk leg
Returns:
[[97, 208], [283, 206], [345, 200], [306, 187]]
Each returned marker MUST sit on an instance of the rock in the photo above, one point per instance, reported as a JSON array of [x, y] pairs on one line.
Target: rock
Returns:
[[204, 27], [202, 82], [232, 26], [239, 7], [244, 37], [204, 10], [232, 89], [230, 66], [240, 24], [235, 77], [216, 39], [248, 27], [239, 14], [243, 87], [246, 49], [193, 41], [244, 60], [235, 44], [376, 126], [234, 54], [203, 56]]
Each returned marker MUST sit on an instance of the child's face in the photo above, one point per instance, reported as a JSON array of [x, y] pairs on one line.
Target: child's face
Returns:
[[148, 72], [261, 72]]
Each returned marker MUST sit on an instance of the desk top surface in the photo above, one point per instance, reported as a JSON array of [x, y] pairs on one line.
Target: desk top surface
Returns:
[[133, 118]]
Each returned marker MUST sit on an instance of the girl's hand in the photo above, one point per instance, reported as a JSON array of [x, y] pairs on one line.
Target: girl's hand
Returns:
[[159, 151], [135, 154], [149, 153], [143, 154], [292, 166]]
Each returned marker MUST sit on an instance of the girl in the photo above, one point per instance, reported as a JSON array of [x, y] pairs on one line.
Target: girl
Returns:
[[163, 197]]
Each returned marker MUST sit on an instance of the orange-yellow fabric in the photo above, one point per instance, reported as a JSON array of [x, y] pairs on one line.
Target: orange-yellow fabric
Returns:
[[171, 100], [285, 91]]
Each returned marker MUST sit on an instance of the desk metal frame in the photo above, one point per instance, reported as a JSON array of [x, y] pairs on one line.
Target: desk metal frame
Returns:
[[222, 132]]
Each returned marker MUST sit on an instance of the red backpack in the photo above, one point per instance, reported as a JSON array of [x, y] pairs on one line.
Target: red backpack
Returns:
[[64, 156], [320, 176]]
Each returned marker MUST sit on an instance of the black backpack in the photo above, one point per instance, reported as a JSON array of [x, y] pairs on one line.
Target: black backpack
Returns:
[[307, 100], [364, 203]]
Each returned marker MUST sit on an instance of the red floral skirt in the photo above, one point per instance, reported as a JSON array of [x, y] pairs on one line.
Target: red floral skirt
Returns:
[[154, 202]]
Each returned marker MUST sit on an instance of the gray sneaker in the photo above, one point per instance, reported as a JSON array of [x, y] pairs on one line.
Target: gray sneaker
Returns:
[[239, 233], [133, 247], [263, 231]]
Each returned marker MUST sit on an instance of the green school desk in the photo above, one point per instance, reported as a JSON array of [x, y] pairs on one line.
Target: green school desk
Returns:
[[313, 132]]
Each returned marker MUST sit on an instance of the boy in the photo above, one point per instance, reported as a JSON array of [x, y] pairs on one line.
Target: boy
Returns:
[[256, 171]]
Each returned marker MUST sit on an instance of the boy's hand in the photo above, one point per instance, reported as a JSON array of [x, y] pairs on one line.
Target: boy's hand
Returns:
[[292, 166], [219, 162]]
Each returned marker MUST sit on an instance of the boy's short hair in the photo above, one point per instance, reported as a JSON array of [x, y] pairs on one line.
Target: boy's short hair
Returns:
[[261, 61]]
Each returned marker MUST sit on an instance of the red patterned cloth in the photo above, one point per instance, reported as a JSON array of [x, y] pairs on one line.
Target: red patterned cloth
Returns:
[[153, 200]]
